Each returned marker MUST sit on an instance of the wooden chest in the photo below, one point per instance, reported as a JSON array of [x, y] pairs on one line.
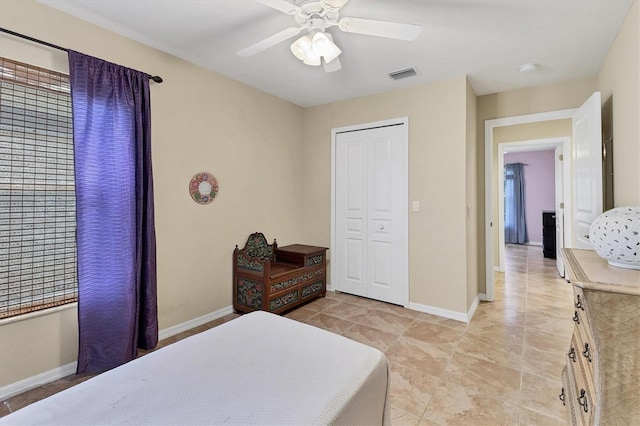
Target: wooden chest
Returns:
[[601, 380]]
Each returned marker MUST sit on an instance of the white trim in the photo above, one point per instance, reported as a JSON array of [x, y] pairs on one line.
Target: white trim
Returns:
[[68, 369], [472, 309], [535, 243], [483, 297], [405, 194], [188, 325], [32, 382], [489, 125], [445, 313]]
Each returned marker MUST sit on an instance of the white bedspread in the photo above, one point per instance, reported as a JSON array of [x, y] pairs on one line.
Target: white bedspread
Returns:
[[257, 369]]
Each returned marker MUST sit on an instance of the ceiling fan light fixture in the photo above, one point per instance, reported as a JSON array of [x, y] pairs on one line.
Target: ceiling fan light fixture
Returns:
[[333, 52], [311, 49], [301, 47], [312, 59], [321, 43], [315, 16]]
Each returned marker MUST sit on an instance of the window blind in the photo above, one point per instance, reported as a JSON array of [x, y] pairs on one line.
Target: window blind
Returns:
[[37, 190]]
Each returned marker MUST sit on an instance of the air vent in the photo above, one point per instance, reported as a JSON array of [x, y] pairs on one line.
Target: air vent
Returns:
[[407, 72]]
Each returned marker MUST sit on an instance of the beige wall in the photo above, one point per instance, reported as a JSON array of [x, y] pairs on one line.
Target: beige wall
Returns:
[[201, 121], [531, 100], [620, 77], [437, 178]]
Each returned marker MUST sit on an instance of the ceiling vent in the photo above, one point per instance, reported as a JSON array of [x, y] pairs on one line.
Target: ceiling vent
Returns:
[[400, 74]]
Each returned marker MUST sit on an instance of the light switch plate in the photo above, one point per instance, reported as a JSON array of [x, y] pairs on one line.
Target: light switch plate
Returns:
[[415, 206]]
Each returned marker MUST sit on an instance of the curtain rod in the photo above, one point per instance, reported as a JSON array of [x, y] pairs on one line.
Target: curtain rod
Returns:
[[155, 78]]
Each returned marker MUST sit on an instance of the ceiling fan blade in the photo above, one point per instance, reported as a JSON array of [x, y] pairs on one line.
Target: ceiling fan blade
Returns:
[[270, 41], [373, 27], [332, 66], [281, 5], [333, 5]]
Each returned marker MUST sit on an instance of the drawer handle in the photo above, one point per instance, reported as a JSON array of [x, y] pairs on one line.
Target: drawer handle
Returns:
[[572, 354], [579, 303], [582, 400], [576, 319], [587, 352], [561, 396]]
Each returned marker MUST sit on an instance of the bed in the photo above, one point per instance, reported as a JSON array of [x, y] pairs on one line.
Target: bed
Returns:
[[257, 369]]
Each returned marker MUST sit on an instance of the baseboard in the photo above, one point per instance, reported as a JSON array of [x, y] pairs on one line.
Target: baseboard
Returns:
[[37, 380], [68, 369], [483, 298], [445, 313], [188, 325], [472, 309], [534, 243]]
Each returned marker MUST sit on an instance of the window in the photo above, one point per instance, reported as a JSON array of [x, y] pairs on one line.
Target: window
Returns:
[[37, 190]]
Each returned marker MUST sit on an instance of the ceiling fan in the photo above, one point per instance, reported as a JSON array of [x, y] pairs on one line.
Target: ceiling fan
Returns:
[[317, 46]]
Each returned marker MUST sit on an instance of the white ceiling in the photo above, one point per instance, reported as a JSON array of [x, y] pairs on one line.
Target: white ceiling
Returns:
[[487, 40]]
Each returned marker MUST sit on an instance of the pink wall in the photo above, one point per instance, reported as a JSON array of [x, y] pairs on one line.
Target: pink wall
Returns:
[[539, 180]]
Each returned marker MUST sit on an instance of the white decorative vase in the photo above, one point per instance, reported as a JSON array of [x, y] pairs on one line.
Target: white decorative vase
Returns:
[[615, 236]]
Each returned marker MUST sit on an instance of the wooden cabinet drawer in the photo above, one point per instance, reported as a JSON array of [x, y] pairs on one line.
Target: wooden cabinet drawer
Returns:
[[579, 305], [579, 395], [584, 352]]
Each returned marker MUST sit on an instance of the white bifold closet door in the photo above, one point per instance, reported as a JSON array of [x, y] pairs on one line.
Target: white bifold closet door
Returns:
[[370, 216]]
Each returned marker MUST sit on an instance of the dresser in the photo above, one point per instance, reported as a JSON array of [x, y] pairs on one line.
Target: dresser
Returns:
[[601, 379]]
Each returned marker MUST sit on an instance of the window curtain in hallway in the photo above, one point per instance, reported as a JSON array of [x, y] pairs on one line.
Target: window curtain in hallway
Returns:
[[117, 307], [515, 221]]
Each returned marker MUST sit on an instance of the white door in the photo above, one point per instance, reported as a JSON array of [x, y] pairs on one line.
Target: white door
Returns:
[[559, 209], [587, 169], [371, 213]]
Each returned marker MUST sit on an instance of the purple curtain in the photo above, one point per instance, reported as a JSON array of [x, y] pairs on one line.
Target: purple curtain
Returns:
[[117, 308]]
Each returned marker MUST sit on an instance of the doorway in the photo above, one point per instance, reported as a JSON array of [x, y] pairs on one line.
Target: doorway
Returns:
[[583, 182], [369, 242], [491, 159], [561, 149]]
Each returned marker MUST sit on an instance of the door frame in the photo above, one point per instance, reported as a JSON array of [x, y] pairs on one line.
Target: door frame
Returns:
[[563, 142], [404, 121], [489, 126]]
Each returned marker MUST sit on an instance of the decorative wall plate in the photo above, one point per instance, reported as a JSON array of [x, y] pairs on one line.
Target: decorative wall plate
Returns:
[[203, 188]]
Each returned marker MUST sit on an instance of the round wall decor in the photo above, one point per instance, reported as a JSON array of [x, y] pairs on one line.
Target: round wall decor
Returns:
[[203, 188]]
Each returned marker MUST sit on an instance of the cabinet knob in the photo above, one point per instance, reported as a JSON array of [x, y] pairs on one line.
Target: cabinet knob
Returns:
[[576, 319], [561, 396], [582, 400], [587, 352], [579, 304], [572, 354]]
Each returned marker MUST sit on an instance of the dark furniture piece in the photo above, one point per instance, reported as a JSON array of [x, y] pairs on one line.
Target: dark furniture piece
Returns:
[[274, 279], [549, 234]]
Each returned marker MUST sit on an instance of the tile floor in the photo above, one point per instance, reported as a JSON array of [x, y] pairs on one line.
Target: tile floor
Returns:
[[501, 368]]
